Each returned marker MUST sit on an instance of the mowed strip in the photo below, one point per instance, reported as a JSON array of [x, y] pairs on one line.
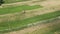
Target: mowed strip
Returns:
[[17, 9], [17, 24]]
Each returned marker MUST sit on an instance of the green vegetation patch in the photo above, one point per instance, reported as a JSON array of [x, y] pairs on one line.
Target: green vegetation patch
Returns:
[[17, 9], [17, 24]]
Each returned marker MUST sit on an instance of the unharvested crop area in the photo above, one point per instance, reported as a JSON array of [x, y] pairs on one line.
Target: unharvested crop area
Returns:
[[16, 15]]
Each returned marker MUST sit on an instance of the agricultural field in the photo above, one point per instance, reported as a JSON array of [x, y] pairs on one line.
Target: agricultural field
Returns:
[[30, 17]]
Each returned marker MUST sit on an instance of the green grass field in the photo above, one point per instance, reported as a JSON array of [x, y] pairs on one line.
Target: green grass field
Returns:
[[13, 1], [21, 23], [12, 9], [13, 17]]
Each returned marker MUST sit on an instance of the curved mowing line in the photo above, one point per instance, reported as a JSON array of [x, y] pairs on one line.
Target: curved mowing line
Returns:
[[17, 9], [21, 23]]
